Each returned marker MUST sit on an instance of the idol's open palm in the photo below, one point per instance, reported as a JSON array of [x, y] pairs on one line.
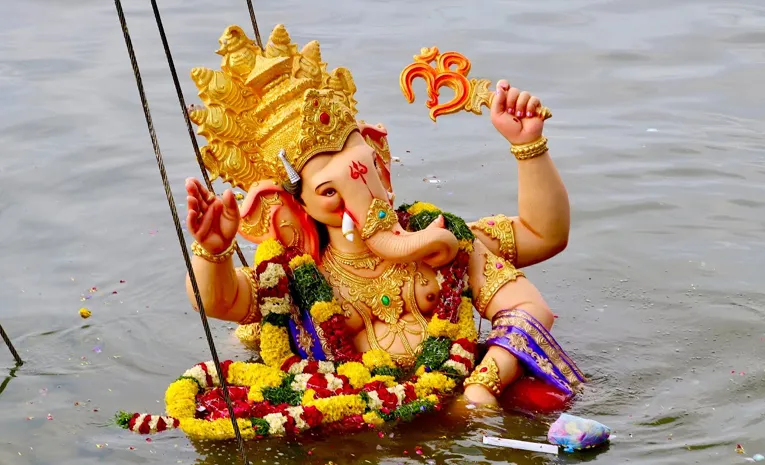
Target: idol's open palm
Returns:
[[212, 221]]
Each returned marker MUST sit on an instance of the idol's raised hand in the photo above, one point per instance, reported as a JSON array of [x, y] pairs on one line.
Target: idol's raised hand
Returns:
[[212, 221], [515, 114]]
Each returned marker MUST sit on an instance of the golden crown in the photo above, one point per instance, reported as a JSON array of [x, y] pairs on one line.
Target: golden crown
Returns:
[[266, 113]]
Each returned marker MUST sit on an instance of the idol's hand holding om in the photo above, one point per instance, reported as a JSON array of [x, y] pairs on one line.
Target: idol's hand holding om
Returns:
[[518, 116]]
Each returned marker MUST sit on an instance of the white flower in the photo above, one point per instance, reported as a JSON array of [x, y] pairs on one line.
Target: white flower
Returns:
[[458, 350], [300, 382], [138, 422], [458, 366], [326, 367], [333, 382], [374, 401], [278, 305], [298, 367], [295, 413], [276, 422], [198, 374], [271, 275], [213, 373], [398, 391]]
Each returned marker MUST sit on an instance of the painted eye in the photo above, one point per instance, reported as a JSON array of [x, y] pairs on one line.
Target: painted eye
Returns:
[[329, 192]]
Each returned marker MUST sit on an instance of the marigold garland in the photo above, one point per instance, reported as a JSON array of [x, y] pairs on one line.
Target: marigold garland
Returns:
[[286, 394]]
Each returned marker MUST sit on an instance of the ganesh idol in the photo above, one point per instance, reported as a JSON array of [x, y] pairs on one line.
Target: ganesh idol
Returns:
[[366, 292]]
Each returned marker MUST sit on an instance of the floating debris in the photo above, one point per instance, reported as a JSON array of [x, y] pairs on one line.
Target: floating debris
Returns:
[[85, 313], [758, 457], [740, 449]]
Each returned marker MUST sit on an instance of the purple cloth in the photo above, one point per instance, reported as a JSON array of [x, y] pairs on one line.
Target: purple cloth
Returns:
[[525, 337], [313, 350]]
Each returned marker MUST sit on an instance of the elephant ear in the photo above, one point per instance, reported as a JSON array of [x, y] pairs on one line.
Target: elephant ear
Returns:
[[270, 212], [377, 137]]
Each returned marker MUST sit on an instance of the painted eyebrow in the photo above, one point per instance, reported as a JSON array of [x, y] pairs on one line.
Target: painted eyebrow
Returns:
[[317, 187]]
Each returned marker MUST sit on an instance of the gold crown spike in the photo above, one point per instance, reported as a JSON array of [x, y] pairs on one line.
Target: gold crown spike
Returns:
[[263, 101], [469, 95]]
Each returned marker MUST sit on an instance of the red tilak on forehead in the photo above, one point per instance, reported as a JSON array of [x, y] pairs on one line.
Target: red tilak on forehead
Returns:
[[358, 170]]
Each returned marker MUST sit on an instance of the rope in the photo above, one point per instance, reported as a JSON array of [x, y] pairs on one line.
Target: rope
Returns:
[[255, 24], [10, 347], [178, 230], [185, 111]]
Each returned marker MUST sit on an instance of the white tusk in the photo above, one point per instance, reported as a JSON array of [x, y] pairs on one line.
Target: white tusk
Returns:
[[348, 227]]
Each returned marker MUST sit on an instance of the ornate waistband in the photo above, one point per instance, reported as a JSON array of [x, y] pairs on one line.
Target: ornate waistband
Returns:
[[525, 337]]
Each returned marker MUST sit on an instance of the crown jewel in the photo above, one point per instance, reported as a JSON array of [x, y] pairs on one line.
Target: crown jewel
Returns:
[[261, 102]]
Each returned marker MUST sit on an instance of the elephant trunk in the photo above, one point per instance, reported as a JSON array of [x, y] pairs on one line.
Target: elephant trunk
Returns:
[[435, 246]]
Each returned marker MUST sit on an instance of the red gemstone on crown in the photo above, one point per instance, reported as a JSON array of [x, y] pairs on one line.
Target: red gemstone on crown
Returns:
[[324, 118], [316, 103], [483, 370], [490, 223]]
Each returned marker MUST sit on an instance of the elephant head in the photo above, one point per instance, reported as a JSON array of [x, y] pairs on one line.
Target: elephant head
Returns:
[[349, 192]]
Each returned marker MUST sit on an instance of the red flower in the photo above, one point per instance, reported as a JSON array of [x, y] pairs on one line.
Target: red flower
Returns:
[[161, 425], [289, 362], [143, 428], [312, 416], [410, 394], [311, 367], [317, 381], [466, 344], [461, 359]]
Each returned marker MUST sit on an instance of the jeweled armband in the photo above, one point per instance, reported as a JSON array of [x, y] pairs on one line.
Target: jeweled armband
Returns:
[[500, 228], [497, 272], [528, 340]]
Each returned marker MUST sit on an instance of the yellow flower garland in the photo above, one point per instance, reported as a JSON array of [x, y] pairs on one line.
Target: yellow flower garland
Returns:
[[180, 398], [335, 408], [443, 328], [358, 375], [323, 311], [301, 260], [428, 383], [377, 358], [275, 345], [216, 430], [267, 250]]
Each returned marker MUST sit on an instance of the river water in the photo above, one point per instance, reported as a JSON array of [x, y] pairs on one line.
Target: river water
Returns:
[[657, 132]]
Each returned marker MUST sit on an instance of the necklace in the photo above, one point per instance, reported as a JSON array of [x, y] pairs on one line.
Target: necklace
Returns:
[[358, 260], [381, 294]]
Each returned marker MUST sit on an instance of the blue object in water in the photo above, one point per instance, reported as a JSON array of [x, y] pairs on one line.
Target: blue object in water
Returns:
[[758, 457], [575, 433]]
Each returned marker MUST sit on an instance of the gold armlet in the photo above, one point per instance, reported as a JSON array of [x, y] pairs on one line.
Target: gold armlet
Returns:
[[380, 216], [498, 272], [487, 375], [530, 150], [252, 312], [199, 251], [500, 228]]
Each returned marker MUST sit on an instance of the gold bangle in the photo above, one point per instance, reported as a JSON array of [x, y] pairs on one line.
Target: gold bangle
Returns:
[[530, 150], [199, 251], [252, 312], [380, 216], [487, 375]]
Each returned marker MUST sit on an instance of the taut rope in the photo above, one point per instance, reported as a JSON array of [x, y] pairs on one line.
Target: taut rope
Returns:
[[185, 110], [10, 346], [178, 230]]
